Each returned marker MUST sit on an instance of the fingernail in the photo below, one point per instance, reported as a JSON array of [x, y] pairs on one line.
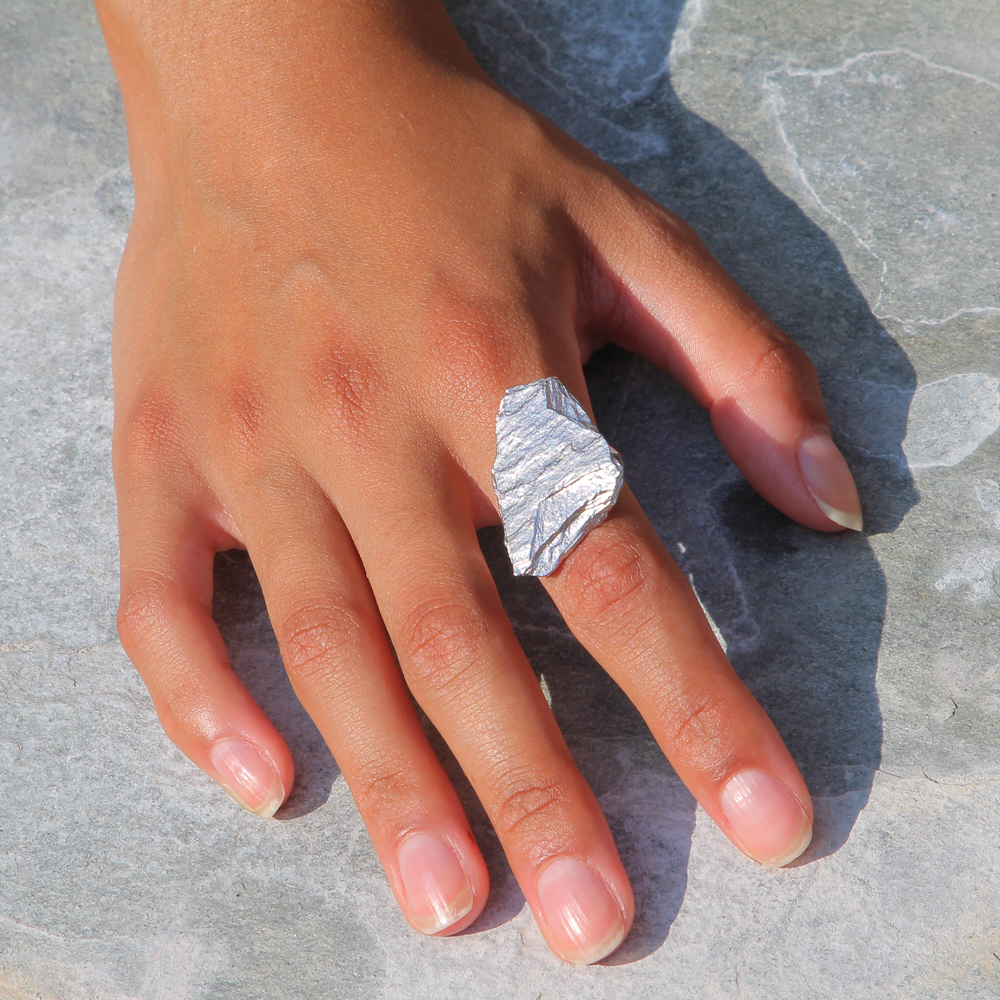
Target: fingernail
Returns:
[[767, 821], [248, 776], [830, 481], [584, 919], [438, 891]]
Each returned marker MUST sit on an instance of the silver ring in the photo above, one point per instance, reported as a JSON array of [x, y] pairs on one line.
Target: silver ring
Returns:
[[555, 476]]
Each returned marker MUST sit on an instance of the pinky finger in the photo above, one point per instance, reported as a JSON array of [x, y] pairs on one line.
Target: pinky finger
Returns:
[[166, 628]]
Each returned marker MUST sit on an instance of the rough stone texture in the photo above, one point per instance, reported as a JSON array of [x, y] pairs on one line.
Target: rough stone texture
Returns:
[[841, 161]]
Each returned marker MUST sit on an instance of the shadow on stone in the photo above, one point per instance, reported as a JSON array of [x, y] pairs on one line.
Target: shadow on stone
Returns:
[[242, 618], [801, 612]]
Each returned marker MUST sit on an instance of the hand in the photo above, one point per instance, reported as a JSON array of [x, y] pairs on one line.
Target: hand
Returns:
[[347, 244]]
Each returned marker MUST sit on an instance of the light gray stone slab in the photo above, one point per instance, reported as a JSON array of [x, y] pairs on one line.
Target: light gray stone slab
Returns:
[[841, 161]]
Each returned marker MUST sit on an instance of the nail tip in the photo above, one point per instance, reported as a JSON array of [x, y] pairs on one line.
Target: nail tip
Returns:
[[855, 522], [430, 928], [794, 852], [601, 951], [443, 921], [456, 914], [269, 808], [265, 811], [242, 769], [826, 473]]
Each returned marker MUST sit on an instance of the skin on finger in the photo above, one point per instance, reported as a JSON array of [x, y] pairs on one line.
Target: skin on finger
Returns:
[[465, 667], [341, 666], [659, 292], [168, 545], [629, 604]]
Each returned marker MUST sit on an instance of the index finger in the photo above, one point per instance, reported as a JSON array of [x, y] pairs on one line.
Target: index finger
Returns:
[[674, 304]]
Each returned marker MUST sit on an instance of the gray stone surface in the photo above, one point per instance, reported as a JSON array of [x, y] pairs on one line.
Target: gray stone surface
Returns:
[[841, 160]]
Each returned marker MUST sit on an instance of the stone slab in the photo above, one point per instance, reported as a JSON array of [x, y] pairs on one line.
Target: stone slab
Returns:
[[841, 161]]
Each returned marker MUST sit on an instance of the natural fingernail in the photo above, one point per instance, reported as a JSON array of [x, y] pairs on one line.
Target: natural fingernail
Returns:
[[830, 481], [584, 919], [438, 891], [767, 821], [248, 776]]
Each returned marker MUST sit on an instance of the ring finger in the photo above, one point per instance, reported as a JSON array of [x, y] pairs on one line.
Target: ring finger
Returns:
[[340, 664], [628, 602]]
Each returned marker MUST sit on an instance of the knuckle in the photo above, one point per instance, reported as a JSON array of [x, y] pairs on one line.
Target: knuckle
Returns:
[[336, 373], [526, 801], [468, 344], [697, 725], [348, 386], [318, 641], [440, 640], [150, 435], [607, 576], [179, 706], [382, 789], [142, 613], [776, 360], [145, 621]]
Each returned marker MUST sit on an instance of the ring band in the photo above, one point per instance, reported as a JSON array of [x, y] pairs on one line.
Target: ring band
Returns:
[[555, 476]]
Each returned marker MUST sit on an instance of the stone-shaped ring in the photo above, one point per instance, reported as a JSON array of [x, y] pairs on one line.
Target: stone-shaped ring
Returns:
[[555, 476]]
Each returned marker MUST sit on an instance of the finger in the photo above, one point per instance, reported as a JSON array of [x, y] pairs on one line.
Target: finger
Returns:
[[168, 545], [341, 665], [665, 297], [629, 604], [465, 667], [631, 607]]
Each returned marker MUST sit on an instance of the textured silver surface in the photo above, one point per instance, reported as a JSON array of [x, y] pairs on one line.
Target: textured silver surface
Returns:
[[555, 475]]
